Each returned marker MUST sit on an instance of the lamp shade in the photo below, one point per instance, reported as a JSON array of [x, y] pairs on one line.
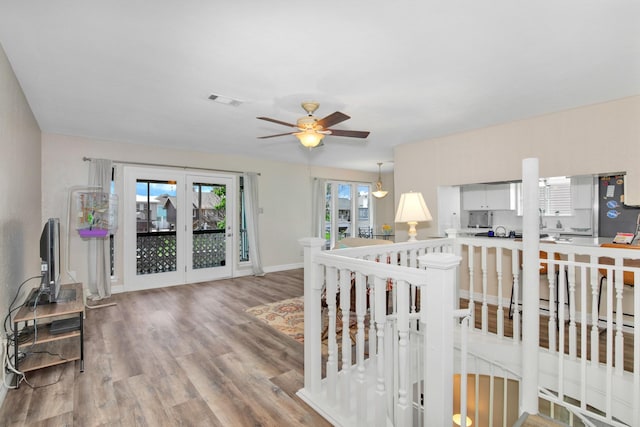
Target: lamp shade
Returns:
[[412, 209], [457, 418], [309, 138]]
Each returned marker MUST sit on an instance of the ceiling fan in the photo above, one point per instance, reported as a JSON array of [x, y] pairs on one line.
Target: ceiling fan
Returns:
[[311, 130]]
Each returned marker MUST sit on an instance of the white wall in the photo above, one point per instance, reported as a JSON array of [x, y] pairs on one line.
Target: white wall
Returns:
[[20, 224], [601, 138], [285, 190]]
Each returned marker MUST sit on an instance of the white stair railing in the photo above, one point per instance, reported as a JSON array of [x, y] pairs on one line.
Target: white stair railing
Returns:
[[370, 380], [367, 364]]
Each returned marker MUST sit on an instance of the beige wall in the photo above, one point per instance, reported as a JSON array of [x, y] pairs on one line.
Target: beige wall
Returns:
[[601, 138], [20, 224], [285, 190]]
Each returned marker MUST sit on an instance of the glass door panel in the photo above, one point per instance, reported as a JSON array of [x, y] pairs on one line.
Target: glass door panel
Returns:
[[348, 211], [365, 226], [156, 217], [211, 227], [344, 211], [152, 223]]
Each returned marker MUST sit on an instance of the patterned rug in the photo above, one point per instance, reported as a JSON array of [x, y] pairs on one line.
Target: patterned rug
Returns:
[[286, 316]]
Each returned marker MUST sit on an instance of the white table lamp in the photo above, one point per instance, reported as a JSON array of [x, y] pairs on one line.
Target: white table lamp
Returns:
[[412, 209]]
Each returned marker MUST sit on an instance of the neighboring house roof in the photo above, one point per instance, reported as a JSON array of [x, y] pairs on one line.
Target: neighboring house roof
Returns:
[[209, 200]]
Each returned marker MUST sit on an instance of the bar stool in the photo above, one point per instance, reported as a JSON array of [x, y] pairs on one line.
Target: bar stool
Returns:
[[544, 270], [627, 276]]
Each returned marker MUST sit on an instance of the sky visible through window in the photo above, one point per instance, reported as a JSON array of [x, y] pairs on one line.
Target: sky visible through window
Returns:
[[156, 189]]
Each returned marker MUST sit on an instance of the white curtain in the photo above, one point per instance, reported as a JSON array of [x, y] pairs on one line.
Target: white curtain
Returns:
[[252, 211], [318, 207], [99, 274]]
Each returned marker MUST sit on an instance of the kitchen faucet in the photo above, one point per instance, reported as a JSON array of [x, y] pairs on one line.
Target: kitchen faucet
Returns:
[[541, 214]]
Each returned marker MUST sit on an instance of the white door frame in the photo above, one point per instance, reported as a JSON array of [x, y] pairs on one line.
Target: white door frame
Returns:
[[220, 272], [133, 281]]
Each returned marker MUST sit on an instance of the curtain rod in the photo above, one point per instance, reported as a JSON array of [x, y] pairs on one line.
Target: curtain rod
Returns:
[[348, 181], [88, 159]]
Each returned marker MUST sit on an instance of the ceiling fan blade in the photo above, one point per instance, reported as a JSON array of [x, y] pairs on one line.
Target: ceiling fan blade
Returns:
[[350, 133], [280, 122], [273, 136], [333, 119]]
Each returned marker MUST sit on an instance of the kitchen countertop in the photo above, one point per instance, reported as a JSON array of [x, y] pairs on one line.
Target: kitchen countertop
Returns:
[[565, 238]]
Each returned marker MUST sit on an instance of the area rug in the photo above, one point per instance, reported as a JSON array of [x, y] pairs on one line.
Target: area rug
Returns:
[[286, 316]]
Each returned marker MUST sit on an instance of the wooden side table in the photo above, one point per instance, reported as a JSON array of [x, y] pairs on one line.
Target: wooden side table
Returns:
[[45, 349]]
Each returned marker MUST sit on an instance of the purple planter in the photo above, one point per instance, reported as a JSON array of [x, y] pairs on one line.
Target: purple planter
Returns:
[[94, 232]]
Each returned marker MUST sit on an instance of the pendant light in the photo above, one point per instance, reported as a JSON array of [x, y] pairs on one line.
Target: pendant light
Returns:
[[379, 193]]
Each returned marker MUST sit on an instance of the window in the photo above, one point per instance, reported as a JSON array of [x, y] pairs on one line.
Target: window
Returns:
[[554, 196], [347, 210], [243, 241]]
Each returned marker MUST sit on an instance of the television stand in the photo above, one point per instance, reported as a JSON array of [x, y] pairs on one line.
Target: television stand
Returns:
[[49, 349], [64, 295], [36, 298]]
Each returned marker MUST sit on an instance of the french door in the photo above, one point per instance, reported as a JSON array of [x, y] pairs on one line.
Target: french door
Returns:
[[178, 227]]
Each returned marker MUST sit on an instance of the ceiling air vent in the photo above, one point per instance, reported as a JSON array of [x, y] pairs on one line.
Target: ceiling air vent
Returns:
[[224, 100]]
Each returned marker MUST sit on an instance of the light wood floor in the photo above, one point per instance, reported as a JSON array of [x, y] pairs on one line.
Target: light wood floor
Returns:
[[181, 356]]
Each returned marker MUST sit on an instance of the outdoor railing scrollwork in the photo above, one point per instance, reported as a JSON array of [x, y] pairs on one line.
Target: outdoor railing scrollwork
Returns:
[[156, 252]]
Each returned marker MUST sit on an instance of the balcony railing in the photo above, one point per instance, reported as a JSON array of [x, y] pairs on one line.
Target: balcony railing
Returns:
[[209, 248], [156, 252]]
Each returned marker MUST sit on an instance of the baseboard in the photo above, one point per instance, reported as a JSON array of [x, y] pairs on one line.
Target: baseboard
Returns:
[[283, 267]]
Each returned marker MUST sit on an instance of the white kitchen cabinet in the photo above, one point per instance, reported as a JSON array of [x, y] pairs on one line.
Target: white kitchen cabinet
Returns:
[[478, 197], [582, 192]]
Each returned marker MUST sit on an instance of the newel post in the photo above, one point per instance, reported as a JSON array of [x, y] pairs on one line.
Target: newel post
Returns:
[[530, 287], [437, 304], [312, 315]]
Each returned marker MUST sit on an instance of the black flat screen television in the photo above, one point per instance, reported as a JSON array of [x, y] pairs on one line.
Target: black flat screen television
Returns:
[[50, 257], [49, 289]]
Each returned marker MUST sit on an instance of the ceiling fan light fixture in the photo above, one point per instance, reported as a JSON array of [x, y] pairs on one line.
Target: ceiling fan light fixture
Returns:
[[379, 193], [309, 138]]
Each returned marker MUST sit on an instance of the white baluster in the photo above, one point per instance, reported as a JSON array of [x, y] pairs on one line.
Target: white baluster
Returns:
[[553, 311], [372, 338], [345, 369], [515, 267], [485, 307], [379, 290], [470, 256], [404, 408], [361, 308], [332, 364], [595, 315], [619, 283], [573, 337], [500, 311], [636, 351]]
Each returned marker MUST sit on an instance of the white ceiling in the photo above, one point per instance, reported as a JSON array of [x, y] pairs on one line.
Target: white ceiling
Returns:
[[141, 71]]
